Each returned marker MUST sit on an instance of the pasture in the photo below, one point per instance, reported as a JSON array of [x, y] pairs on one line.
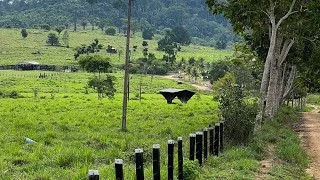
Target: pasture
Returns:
[[15, 49], [75, 132]]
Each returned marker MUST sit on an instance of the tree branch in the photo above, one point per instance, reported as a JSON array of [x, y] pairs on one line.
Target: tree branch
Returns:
[[285, 51], [288, 14], [266, 13]]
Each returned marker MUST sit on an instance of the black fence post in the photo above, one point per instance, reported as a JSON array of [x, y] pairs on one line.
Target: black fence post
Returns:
[[211, 140], [118, 163], [170, 159], [199, 147], [216, 140], [205, 144], [139, 164], [180, 159], [93, 175], [156, 161], [221, 136], [192, 146]]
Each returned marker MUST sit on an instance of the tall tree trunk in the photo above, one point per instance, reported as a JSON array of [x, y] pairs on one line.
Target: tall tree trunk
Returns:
[[266, 73], [283, 78], [272, 90], [75, 24]]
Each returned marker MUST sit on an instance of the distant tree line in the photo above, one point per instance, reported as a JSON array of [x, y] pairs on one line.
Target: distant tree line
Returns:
[[149, 17]]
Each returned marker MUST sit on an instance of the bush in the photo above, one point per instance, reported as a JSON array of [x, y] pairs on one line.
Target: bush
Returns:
[[110, 31], [13, 94], [147, 34], [24, 33], [238, 114]]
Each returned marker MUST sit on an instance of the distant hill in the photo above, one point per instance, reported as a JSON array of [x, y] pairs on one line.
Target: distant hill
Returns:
[[155, 14]]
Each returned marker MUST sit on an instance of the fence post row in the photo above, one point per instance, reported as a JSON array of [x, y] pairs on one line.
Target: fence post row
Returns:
[[139, 164], [221, 136], [211, 131], [180, 159], [205, 144], [199, 147], [216, 140], [170, 159], [93, 175], [192, 146], [156, 161], [119, 169], [198, 142]]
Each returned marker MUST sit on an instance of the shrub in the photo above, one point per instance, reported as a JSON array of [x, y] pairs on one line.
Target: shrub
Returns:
[[2, 94], [238, 114], [13, 94], [147, 34], [24, 33], [111, 31]]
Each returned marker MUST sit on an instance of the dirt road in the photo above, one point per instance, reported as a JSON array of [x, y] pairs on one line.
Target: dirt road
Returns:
[[200, 87], [311, 139]]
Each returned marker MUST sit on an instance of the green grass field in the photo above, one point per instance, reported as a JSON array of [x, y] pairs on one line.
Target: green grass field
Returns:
[[76, 132], [15, 49]]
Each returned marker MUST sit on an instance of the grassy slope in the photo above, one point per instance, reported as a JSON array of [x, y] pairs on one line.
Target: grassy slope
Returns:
[[15, 49]]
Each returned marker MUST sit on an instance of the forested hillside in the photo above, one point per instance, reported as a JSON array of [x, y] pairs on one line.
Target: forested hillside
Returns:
[[155, 14]]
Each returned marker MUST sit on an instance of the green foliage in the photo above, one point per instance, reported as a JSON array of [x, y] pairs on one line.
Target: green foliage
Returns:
[[238, 114], [218, 69], [181, 35], [24, 33], [94, 47], [314, 99], [46, 27], [191, 169], [11, 94], [223, 85], [65, 38], [53, 39], [147, 34], [95, 63], [84, 23], [102, 24], [59, 29], [104, 86], [146, 14], [111, 31]]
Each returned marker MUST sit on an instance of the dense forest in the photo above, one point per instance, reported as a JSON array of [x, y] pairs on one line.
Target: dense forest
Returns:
[[157, 15]]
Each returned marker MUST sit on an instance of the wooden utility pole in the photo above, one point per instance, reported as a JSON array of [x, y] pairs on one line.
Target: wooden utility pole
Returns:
[[126, 73]]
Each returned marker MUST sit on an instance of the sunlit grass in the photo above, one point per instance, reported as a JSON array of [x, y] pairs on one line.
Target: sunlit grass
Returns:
[[15, 49]]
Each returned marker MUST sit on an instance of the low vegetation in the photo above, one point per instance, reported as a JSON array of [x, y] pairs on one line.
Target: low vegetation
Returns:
[[242, 162]]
